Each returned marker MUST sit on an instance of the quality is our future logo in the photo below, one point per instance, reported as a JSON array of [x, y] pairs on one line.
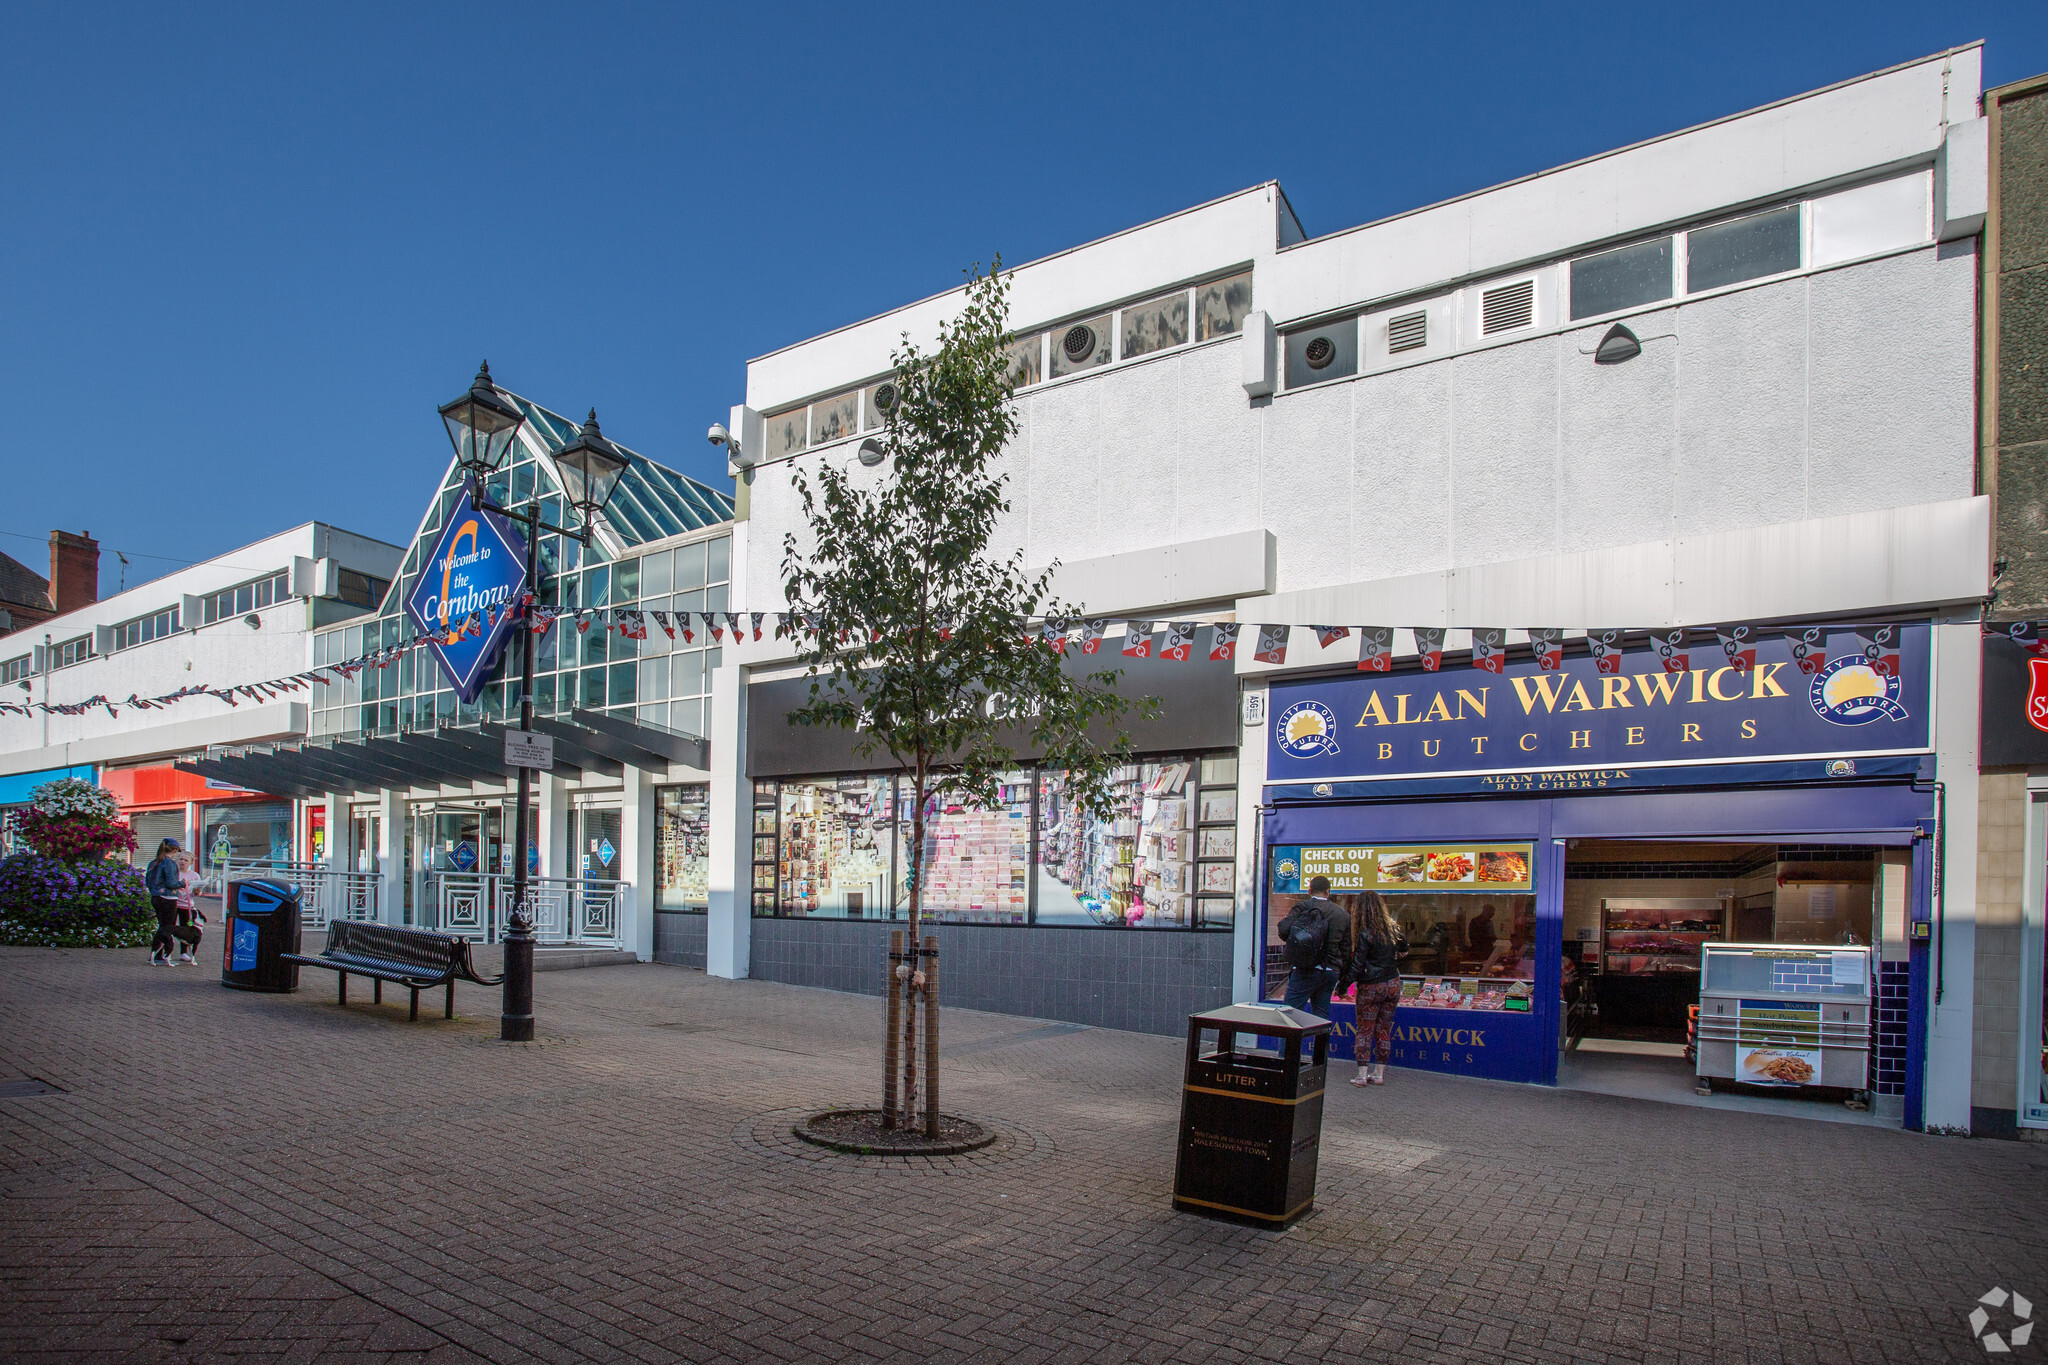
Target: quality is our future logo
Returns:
[[2016, 1313], [1306, 729]]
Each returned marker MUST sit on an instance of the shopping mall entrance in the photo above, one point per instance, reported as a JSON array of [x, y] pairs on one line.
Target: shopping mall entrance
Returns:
[[1724, 969]]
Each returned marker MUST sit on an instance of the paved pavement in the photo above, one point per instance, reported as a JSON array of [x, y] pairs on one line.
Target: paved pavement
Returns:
[[232, 1176]]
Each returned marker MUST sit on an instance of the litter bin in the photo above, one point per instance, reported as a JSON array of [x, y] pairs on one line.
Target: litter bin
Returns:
[[262, 924], [1251, 1120]]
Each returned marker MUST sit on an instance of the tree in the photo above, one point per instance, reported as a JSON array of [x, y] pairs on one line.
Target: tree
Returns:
[[917, 637]]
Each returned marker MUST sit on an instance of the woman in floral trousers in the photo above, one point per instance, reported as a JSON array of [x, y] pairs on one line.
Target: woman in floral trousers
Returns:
[[1376, 968]]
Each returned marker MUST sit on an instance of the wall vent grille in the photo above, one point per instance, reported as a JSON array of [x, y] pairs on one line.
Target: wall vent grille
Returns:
[[1508, 307], [1407, 332]]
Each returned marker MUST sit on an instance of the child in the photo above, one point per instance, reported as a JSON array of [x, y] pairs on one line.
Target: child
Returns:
[[189, 918]]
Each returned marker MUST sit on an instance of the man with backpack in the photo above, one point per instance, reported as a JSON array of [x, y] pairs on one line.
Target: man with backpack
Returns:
[[1316, 938]]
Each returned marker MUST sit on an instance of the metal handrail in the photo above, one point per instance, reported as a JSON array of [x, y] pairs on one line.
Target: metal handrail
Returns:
[[582, 910]]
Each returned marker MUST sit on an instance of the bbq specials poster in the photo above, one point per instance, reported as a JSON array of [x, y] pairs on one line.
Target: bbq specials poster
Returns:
[[1405, 867]]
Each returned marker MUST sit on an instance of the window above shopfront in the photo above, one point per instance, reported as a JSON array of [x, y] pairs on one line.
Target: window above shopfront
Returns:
[[1199, 312]]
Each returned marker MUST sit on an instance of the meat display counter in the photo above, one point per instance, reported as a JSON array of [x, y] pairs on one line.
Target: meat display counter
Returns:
[[1789, 1016]]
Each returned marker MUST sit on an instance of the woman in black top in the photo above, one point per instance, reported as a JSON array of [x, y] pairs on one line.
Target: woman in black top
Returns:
[[163, 880], [1376, 967]]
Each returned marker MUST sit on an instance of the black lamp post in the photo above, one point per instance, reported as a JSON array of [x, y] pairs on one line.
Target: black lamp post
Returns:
[[482, 425]]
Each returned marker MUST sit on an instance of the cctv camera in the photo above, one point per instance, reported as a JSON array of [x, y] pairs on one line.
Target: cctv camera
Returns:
[[718, 435]]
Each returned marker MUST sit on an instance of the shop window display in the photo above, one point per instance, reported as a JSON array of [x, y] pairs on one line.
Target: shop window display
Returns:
[[977, 862], [1468, 913], [1143, 866], [244, 831], [1166, 860], [682, 847], [833, 847]]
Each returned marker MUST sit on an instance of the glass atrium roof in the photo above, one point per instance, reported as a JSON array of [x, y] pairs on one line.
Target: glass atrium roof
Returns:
[[650, 504]]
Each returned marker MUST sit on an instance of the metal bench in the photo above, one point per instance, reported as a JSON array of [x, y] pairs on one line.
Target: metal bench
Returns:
[[417, 959]]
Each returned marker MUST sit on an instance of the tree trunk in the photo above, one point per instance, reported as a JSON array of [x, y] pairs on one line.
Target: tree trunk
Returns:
[[895, 992], [931, 1037], [911, 995]]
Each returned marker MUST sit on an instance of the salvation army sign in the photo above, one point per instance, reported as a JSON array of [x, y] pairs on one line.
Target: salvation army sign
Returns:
[[478, 565], [1463, 721]]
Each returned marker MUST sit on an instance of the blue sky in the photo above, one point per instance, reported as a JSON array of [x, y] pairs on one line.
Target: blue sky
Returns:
[[249, 249]]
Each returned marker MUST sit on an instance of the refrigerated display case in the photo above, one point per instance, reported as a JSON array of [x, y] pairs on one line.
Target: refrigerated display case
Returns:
[[1785, 1016], [1650, 957]]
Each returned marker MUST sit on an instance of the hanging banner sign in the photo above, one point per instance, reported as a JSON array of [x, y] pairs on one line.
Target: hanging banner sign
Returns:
[[478, 564], [1462, 721]]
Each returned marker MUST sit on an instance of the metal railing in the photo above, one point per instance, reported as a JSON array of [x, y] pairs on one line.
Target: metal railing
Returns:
[[581, 910], [325, 893]]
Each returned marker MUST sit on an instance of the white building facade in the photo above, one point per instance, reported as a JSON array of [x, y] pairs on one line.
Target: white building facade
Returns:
[[1725, 377], [242, 617]]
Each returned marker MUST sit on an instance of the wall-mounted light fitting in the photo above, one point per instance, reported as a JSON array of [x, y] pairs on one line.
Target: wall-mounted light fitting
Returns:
[[1618, 345], [871, 452]]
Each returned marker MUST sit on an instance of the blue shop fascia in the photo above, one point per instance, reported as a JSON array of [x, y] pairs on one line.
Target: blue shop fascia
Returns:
[[1566, 849]]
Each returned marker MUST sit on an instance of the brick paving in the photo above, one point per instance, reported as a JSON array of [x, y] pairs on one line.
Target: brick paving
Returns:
[[232, 1176]]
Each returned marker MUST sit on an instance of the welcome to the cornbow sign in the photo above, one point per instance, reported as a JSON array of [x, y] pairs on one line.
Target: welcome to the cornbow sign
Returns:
[[466, 592]]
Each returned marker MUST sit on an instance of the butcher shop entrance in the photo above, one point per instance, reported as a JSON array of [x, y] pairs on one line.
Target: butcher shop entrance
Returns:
[[1642, 921]]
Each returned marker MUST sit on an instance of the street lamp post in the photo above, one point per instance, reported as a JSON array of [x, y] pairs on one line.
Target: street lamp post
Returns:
[[482, 424]]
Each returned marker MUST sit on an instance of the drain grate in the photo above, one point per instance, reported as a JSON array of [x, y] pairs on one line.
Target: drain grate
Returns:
[[22, 1089]]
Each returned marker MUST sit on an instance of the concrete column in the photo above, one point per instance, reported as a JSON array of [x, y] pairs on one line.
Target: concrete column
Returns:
[[729, 917], [391, 813], [636, 862], [553, 834], [1958, 670], [1251, 782]]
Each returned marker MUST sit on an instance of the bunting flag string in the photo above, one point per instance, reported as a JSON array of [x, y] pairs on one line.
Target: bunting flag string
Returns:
[[1737, 646]]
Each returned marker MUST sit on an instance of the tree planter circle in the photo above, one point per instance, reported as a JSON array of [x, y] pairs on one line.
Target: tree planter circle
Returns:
[[860, 1133]]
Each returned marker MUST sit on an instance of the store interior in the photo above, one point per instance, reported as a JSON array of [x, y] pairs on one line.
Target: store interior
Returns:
[[1641, 919]]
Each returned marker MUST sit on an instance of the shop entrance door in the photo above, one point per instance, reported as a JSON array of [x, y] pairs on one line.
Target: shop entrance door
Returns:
[[459, 853], [596, 859], [1637, 918]]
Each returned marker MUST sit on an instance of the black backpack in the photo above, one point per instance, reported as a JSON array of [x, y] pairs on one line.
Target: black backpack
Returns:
[[1306, 939]]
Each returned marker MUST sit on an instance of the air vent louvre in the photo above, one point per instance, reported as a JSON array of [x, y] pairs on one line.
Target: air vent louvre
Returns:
[[1407, 332], [1508, 307]]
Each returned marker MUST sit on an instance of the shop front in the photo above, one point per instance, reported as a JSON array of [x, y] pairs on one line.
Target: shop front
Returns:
[[1565, 849], [214, 819], [2011, 1089], [1124, 919]]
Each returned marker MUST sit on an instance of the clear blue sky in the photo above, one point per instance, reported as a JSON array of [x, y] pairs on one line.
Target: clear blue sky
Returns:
[[247, 250]]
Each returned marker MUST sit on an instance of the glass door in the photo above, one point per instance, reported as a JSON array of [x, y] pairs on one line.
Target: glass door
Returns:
[[595, 841]]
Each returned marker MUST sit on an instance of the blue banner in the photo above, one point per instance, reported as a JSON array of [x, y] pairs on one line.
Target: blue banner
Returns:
[[478, 569], [1622, 711]]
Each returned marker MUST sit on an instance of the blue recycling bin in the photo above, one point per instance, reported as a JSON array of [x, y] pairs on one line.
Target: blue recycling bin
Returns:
[[262, 926]]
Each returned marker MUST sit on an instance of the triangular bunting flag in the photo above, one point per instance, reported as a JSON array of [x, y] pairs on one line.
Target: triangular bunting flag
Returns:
[[1671, 650], [1429, 647], [1548, 644], [1137, 639], [1490, 648], [1223, 641], [1178, 642], [1092, 630], [1606, 645], [1272, 645], [1330, 635], [1375, 649], [1738, 644]]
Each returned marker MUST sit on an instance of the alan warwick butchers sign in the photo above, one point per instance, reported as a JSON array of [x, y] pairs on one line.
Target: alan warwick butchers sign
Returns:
[[1469, 720]]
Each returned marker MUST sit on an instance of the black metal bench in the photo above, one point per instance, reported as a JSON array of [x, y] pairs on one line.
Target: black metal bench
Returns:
[[417, 959]]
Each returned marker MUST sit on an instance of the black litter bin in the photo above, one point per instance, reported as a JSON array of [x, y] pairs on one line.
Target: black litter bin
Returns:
[[1251, 1121], [262, 925]]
